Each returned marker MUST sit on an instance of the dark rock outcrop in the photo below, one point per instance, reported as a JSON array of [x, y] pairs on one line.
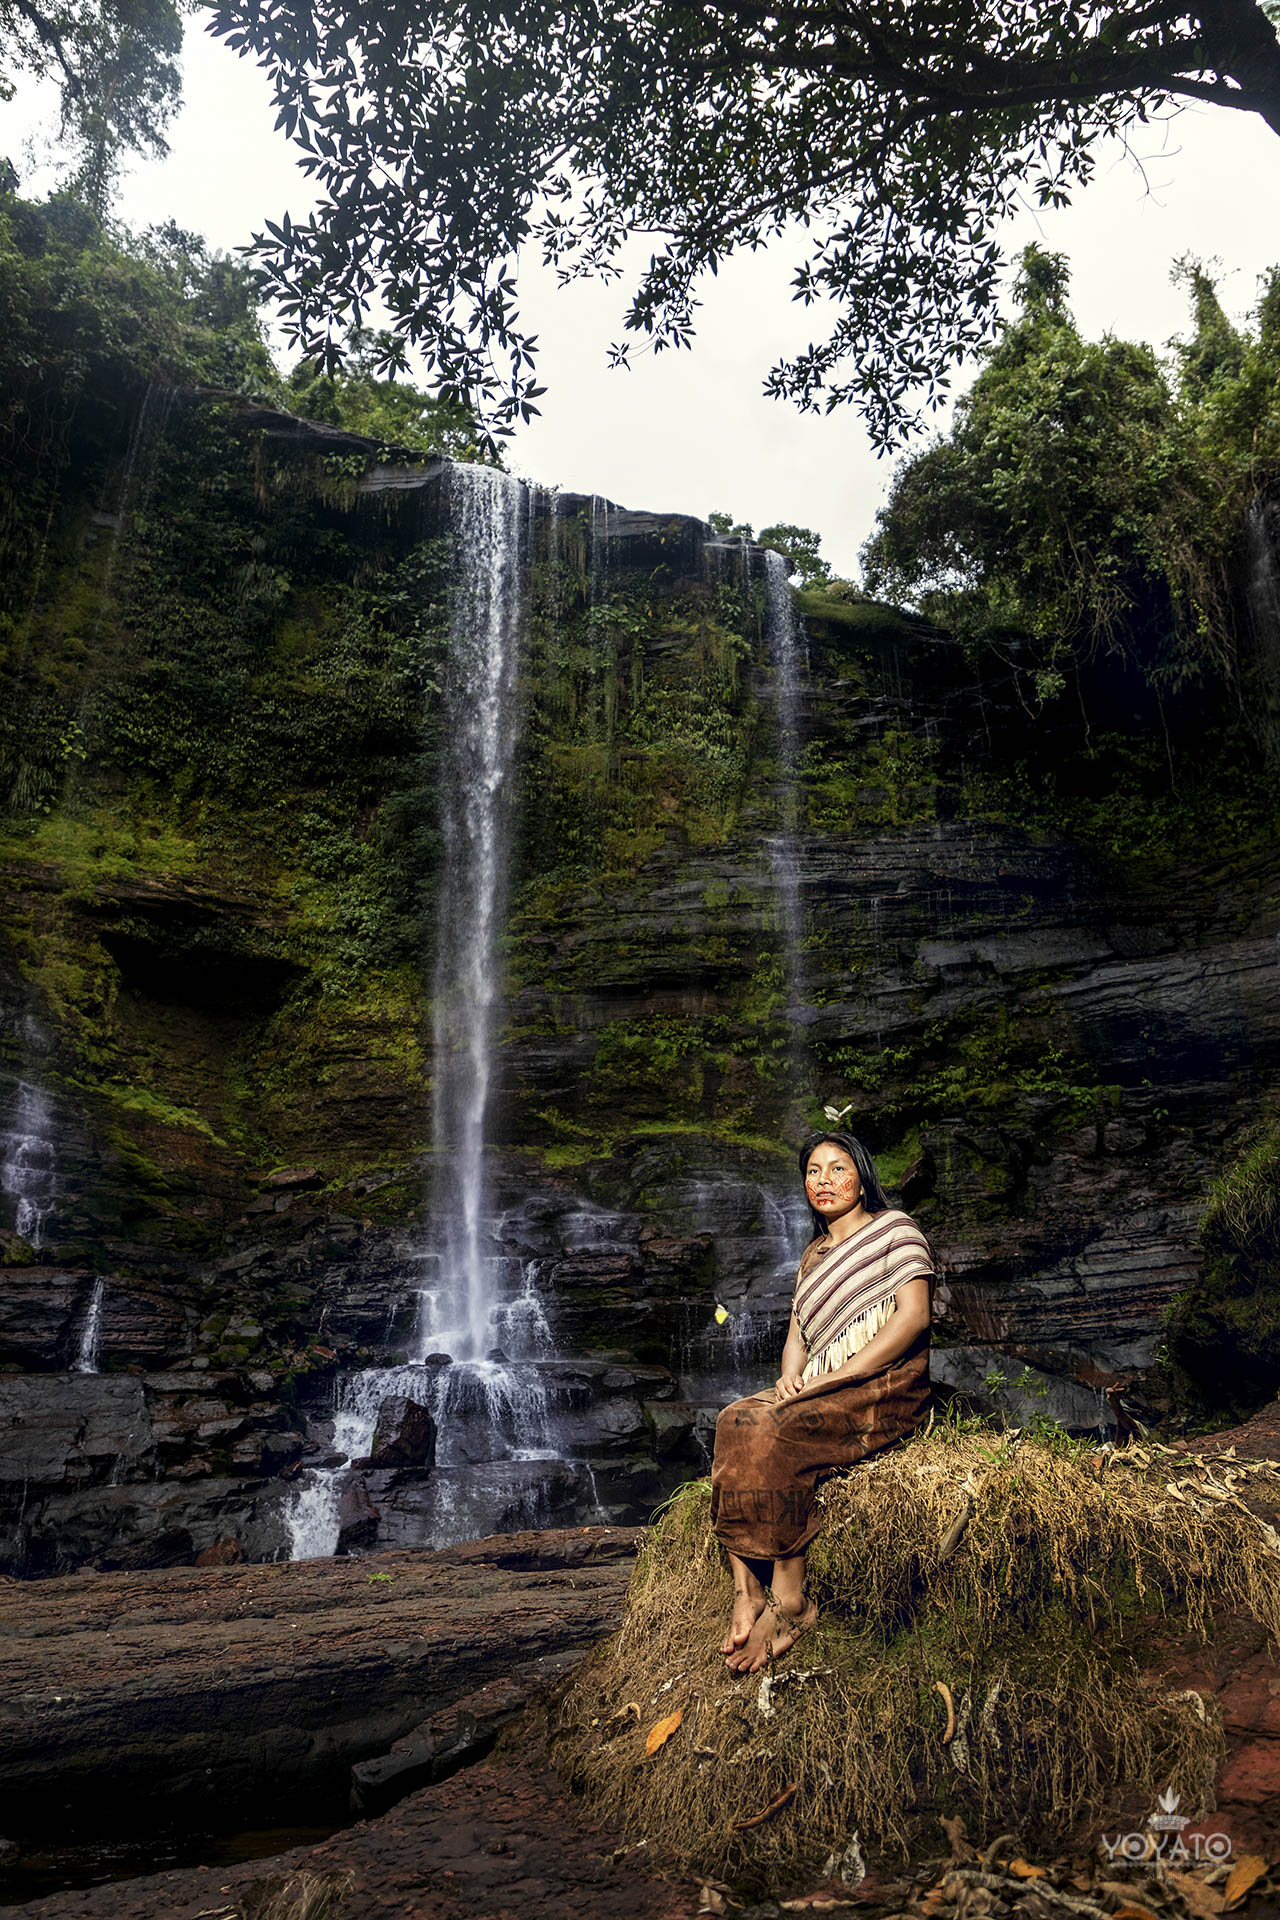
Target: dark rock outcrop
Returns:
[[405, 1435], [300, 1671]]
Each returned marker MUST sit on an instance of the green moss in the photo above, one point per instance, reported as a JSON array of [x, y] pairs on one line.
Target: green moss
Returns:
[[142, 1100], [892, 1162]]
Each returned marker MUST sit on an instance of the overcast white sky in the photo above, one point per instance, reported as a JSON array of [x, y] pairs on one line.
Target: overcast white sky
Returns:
[[692, 432]]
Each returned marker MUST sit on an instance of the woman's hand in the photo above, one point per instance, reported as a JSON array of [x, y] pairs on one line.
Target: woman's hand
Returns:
[[788, 1383]]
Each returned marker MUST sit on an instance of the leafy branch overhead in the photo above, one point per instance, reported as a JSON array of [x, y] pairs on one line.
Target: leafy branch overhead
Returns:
[[886, 141]]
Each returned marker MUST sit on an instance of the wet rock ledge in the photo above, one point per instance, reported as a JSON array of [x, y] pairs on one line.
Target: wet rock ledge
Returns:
[[145, 1696]]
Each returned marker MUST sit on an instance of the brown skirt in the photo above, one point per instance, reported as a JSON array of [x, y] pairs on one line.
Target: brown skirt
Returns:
[[771, 1456]]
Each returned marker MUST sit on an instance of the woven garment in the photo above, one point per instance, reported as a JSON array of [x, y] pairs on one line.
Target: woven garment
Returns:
[[844, 1291], [771, 1456]]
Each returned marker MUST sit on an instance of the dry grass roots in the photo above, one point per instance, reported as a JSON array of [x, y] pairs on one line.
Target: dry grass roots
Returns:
[[297, 1896], [976, 1591]]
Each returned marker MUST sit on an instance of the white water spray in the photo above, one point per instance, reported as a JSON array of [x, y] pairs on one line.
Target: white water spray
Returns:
[[91, 1331], [29, 1170], [786, 653]]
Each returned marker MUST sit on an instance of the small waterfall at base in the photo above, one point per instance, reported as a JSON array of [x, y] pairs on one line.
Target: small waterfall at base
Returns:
[[29, 1168], [784, 635], [91, 1331]]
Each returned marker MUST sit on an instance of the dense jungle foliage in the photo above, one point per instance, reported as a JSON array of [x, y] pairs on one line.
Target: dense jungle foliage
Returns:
[[1087, 503], [1084, 525]]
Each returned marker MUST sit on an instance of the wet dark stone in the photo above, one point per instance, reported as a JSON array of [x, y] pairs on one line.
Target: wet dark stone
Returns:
[[405, 1435]]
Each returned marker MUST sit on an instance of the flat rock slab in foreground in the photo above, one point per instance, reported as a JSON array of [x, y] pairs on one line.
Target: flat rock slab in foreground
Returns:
[[497, 1842], [254, 1686]]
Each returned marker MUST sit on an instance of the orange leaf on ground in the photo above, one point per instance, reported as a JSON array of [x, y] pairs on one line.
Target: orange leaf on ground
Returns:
[[662, 1730], [776, 1805], [1133, 1912], [1241, 1877], [1025, 1870]]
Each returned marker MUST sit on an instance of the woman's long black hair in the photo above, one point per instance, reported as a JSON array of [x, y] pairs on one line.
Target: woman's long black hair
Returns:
[[873, 1194]]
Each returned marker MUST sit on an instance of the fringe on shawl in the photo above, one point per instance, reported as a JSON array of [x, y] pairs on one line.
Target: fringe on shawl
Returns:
[[851, 1341]]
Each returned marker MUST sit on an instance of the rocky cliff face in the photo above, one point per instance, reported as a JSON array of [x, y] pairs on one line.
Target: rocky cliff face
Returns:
[[216, 971]]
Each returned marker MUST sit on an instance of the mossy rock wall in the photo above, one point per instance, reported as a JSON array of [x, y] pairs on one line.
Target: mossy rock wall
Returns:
[[1043, 980]]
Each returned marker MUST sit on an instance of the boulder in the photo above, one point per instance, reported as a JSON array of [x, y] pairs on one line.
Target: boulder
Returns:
[[293, 1180], [405, 1435]]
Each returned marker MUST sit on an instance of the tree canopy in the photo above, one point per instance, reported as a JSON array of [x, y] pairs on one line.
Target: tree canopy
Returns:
[[893, 137], [116, 63], [1088, 500]]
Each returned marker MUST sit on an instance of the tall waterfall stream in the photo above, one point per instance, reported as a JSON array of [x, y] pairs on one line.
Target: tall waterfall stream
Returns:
[[481, 1339], [785, 638]]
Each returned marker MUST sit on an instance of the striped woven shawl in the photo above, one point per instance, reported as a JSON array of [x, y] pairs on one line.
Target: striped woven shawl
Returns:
[[846, 1295]]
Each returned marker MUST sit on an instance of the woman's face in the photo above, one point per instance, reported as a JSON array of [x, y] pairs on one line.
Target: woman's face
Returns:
[[831, 1181]]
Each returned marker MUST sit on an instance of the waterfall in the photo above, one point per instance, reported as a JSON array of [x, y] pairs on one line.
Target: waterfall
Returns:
[[28, 1171], [784, 636], [478, 1314], [91, 1331], [136, 482], [487, 513]]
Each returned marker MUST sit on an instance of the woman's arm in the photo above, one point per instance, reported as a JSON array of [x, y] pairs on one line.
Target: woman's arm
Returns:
[[795, 1358], [910, 1315]]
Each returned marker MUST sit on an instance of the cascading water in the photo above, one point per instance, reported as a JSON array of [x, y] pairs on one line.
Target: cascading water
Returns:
[[91, 1331], [786, 653], [479, 1320], [487, 513], [29, 1168]]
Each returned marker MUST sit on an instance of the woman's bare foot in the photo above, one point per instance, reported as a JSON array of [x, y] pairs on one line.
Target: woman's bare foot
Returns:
[[772, 1635], [747, 1608]]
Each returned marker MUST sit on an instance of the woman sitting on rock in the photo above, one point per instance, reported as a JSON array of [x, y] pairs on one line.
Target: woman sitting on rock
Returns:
[[854, 1379]]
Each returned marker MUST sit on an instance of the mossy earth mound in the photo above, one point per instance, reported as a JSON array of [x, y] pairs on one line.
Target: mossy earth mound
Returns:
[[982, 1599]]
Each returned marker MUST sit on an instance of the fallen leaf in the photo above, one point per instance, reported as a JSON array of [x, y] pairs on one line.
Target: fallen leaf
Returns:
[[1133, 1912], [1241, 1877], [776, 1805], [1025, 1870], [661, 1731]]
